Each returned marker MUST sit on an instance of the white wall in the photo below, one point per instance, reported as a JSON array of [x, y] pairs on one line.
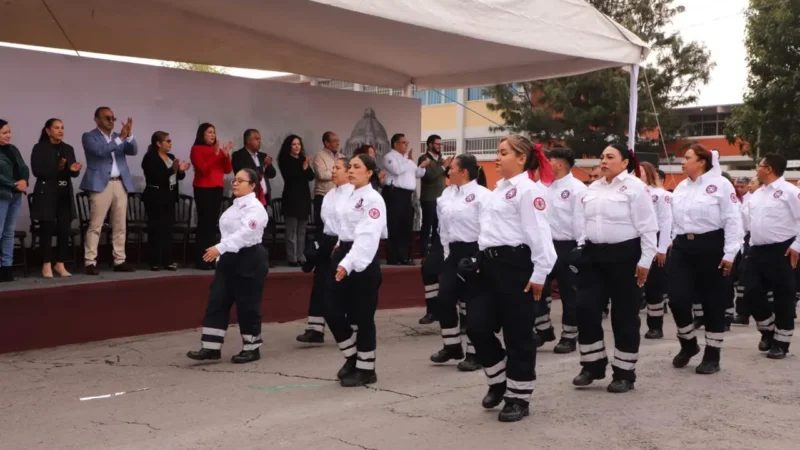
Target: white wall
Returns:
[[36, 86]]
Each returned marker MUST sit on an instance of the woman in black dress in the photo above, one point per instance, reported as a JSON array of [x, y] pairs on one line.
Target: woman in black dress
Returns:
[[53, 164], [296, 171], [161, 174]]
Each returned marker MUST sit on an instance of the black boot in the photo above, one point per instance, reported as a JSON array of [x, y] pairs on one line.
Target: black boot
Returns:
[[728, 322], [688, 351], [312, 337], [348, 368], [620, 386], [204, 354], [741, 320], [427, 319], [447, 353], [495, 396], [776, 352], [586, 378], [246, 356], [469, 364], [766, 341], [565, 346], [545, 336], [654, 334], [513, 411], [359, 378], [710, 363], [6, 274]]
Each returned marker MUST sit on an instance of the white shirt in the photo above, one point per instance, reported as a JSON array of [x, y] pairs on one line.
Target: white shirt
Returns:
[[242, 225], [401, 172], [334, 201], [773, 214], [705, 205], [662, 203], [514, 214], [620, 211], [565, 198], [260, 171], [114, 169], [746, 197], [458, 209], [362, 221]]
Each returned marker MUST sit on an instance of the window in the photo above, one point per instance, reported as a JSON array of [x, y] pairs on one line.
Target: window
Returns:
[[477, 93], [382, 90], [435, 97], [335, 84], [482, 146], [448, 147], [706, 124]]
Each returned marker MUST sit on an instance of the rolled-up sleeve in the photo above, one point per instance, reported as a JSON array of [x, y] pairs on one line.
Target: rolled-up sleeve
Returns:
[[537, 228], [366, 238]]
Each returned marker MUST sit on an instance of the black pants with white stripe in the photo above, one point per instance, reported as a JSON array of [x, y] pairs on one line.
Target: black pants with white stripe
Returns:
[[608, 272], [399, 222], [767, 268], [452, 296], [239, 279], [499, 301], [354, 300], [655, 293], [431, 270], [323, 279], [694, 273], [566, 279]]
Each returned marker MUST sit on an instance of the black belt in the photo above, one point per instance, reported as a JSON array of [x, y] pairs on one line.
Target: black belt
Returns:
[[503, 251], [115, 179], [774, 247], [701, 236], [171, 186]]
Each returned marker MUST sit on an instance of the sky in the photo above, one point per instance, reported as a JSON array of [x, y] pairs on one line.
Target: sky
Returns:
[[717, 24]]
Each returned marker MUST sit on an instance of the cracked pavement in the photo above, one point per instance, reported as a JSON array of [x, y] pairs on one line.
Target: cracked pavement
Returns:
[[753, 403]]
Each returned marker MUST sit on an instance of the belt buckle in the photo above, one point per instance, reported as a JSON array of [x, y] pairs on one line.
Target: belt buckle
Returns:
[[62, 183], [491, 253], [171, 187], [690, 236]]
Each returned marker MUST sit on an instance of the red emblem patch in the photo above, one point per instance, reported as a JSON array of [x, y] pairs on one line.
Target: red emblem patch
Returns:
[[470, 198], [360, 202], [623, 188], [374, 213], [539, 203], [511, 194], [655, 199], [565, 195], [667, 199], [734, 199], [777, 194], [252, 224], [711, 189]]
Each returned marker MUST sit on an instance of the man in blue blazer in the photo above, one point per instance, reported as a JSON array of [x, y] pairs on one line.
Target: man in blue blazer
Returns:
[[108, 181]]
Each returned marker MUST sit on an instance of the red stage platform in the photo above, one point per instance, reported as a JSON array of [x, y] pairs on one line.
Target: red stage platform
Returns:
[[36, 314]]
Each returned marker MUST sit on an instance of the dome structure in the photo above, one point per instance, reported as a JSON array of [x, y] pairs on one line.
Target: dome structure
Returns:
[[369, 131]]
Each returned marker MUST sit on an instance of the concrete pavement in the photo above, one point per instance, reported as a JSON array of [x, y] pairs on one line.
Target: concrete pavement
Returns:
[[290, 399]]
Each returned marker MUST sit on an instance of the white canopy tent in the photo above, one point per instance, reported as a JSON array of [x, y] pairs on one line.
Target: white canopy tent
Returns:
[[392, 43]]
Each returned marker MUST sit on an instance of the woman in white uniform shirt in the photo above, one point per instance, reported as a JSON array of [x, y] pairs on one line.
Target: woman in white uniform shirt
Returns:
[[242, 268], [361, 225], [655, 290], [619, 248], [516, 255], [321, 258], [458, 209], [708, 235]]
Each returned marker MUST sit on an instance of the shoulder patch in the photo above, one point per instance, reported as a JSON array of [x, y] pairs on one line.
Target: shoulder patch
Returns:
[[711, 189], [655, 198], [252, 224], [734, 199], [667, 199], [539, 203], [374, 213]]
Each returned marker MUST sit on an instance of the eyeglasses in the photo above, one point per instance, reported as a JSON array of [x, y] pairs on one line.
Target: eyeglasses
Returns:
[[110, 118], [242, 180], [763, 166]]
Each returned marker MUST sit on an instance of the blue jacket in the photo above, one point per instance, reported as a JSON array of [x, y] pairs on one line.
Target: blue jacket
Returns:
[[98, 160]]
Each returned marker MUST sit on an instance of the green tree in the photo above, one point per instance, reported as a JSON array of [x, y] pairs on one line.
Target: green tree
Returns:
[[769, 119], [196, 67], [586, 111]]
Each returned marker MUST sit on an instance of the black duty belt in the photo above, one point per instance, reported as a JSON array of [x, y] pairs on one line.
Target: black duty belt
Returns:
[[503, 251]]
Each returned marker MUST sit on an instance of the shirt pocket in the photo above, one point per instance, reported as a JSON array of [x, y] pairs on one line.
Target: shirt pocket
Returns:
[[616, 207]]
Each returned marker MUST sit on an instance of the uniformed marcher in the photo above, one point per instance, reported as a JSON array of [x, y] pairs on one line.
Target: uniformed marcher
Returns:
[[361, 225], [320, 263], [458, 209], [241, 271], [707, 226], [620, 230], [773, 218], [655, 290], [564, 197], [516, 255]]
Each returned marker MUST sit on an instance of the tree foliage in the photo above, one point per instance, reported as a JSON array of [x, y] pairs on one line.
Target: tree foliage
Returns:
[[769, 119], [196, 67], [587, 111]]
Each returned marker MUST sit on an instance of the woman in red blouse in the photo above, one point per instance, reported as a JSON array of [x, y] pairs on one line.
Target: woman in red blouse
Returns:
[[211, 162]]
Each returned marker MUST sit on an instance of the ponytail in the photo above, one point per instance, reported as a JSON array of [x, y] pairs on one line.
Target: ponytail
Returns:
[[546, 175], [481, 176]]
